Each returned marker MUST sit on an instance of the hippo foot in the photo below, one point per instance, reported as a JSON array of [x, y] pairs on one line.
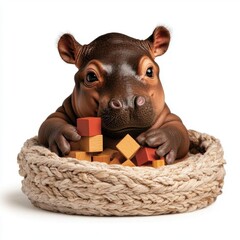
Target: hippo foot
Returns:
[[166, 140]]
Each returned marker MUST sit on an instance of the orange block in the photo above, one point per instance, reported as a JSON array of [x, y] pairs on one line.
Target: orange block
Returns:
[[128, 163], [115, 161], [91, 144], [110, 152], [102, 158], [89, 126], [80, 155], [158, 163], [128, 146]]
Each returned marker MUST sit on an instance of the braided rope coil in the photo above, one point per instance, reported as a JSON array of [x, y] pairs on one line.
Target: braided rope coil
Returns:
[[91, 188]]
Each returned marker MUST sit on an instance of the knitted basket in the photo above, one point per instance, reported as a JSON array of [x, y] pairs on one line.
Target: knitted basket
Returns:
[[92, 188]]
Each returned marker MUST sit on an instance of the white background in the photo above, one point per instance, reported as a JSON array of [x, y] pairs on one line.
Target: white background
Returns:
[[200, 75]]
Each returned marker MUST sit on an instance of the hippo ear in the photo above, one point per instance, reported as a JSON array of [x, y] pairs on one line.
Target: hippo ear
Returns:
[[69, 48], [159, 41]]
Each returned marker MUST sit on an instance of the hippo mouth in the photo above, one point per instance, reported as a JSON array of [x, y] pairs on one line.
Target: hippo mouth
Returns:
[[120, 133]]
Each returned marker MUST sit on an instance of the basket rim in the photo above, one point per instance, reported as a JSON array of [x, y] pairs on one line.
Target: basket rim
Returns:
[[43, 156]]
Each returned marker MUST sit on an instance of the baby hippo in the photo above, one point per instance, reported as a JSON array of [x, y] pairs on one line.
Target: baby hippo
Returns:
[[117, 80]]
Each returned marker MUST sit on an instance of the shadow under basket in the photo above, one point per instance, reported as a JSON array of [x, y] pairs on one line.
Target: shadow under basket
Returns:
[[71, 186]]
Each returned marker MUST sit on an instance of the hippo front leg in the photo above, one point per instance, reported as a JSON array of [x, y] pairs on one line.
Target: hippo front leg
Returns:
[[171, 140], [58, 130], [57, 134]]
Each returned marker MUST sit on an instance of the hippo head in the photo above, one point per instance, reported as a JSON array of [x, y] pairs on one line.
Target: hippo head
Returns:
[[118, 80]]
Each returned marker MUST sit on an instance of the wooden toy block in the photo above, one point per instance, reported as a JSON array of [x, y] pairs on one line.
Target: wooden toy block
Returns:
[[108, 151], [102, 158], [145, 154], [119, 156], [91, 144], [128, 146], [89, 126], [128, 163], [158, 163], [115, 161], [80, 155]]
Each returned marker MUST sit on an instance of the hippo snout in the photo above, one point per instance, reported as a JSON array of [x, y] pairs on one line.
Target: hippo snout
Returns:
[[133, 102], [133, 115]]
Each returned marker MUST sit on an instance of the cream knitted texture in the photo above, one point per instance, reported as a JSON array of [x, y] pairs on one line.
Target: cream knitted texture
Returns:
[[91, 188]]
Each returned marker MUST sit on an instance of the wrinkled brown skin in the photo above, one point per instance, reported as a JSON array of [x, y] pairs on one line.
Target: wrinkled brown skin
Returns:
[[118, 80]]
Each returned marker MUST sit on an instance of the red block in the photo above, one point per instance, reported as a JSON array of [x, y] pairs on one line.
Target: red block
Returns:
[[89, 126], [145, 154]]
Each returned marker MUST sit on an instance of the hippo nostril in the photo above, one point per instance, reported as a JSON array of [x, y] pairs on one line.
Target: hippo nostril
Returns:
[[115, 104], [140, 101]]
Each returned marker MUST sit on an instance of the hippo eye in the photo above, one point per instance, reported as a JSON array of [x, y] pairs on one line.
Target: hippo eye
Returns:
[[149, 72], [91, 77]]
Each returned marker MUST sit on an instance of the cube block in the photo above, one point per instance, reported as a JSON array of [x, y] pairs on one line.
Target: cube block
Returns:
[[128, 146], [145, 154], [89, 126], [110, 152], [128, 163], [102, 158], [91, 144], [115, 161], [80, 155], [158, 163]]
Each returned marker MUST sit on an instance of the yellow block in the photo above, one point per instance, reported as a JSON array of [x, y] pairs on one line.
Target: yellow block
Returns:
[[158, 163], [129, 163], [91, 144], [80, 155], [128, 146]]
